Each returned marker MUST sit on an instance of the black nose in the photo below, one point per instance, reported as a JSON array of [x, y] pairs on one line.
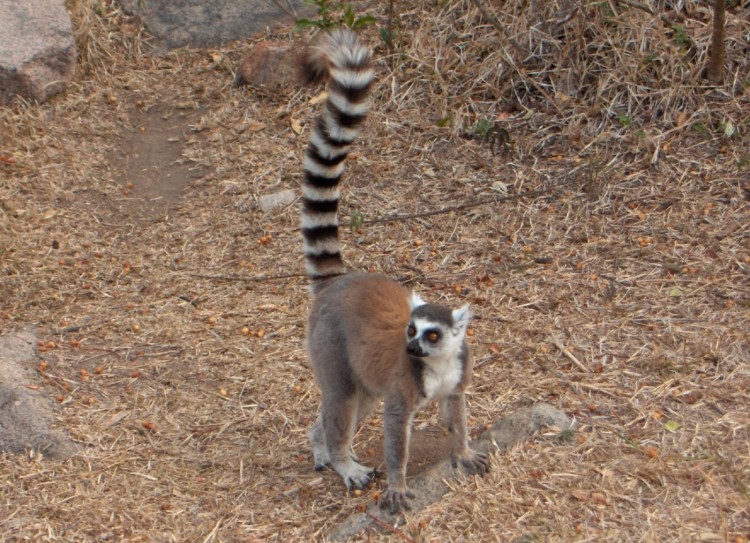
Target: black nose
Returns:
[[414, 349]]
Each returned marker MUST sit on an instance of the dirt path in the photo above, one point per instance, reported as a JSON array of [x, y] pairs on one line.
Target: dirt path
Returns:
[[151, 163]]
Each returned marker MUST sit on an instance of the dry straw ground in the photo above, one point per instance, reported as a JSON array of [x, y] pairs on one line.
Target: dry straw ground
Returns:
[[617, 289]]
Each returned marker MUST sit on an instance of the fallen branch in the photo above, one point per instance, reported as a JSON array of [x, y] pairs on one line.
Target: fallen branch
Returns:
[[393, 218], [247, 278], [468, 205]]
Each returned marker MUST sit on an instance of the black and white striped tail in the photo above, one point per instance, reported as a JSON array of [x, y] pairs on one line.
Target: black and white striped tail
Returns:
[[346, 63]]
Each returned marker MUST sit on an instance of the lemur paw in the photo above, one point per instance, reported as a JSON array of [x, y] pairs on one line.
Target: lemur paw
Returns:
[[357, 476], [474, 462], [396, 501]]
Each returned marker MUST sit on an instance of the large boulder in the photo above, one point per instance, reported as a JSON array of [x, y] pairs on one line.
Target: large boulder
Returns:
[[197, 23], [37, 49]]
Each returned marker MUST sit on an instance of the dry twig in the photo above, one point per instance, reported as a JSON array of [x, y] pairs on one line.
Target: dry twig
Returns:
[[581, 366]]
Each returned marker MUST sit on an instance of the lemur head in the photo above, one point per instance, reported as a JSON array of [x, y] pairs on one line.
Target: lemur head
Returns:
[[436, 330]]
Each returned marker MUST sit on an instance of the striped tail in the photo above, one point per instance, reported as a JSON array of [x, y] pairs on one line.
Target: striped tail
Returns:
[[346, 64]]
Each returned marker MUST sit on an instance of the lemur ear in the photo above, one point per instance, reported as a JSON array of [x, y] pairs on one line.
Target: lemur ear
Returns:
[[461, 318], [415, 300]]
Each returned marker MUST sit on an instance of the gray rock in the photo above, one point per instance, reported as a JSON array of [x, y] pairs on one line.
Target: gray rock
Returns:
[[37, 49], [277, 200], [177, 23], [25, 413]]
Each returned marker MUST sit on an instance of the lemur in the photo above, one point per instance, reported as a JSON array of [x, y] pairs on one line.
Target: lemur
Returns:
[[368, 338]]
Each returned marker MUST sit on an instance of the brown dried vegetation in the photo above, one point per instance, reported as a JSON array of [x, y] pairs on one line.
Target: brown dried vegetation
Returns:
[[619, 291]]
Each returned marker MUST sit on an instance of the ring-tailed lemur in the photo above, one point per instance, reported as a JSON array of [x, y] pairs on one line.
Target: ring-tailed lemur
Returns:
[[367, 337]]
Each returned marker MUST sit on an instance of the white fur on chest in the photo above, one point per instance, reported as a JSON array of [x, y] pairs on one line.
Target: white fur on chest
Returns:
[[441, 376]]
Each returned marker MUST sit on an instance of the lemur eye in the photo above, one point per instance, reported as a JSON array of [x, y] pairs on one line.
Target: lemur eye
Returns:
[[411, 331], [433, 337]]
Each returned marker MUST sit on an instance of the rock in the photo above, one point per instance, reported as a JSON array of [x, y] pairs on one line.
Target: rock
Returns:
[[197, 23], [37, 49], [430, 485], [272, 202], [268, 65], [26, 414]]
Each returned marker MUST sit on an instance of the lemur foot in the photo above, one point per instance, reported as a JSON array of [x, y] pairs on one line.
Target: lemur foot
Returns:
[[474, 462], [355, 475], [396, 501]]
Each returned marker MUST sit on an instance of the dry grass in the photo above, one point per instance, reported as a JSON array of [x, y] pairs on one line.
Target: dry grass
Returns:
[[635, 261]]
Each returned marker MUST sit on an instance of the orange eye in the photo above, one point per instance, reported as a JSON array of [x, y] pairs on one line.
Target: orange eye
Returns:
[[411, 331], [433, 337]]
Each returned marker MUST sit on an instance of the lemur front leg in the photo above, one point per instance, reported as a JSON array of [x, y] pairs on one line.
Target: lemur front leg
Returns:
[[397, 420], [454, 411]]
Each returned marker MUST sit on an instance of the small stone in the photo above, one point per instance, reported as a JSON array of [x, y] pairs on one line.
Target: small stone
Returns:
[[268, 65], [277, 200]]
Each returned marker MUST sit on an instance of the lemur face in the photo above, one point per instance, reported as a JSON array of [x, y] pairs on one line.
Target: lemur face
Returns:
[[434, 330], [425, 337]]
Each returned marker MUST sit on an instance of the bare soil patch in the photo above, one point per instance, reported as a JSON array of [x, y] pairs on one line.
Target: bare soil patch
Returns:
[[583, 189], [151, 164]]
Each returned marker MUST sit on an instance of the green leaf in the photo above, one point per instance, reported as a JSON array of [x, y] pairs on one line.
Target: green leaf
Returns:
[[305, 23], [445, 121], [674, 292], [364, 21], [483, 127], [729, 128], [680, 36], [349, 16], [356, 222], [671, 426], [386, 36]]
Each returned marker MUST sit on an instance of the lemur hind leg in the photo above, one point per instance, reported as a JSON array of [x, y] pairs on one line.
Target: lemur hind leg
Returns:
[[366, 405], [317, 438], [339, 421]]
